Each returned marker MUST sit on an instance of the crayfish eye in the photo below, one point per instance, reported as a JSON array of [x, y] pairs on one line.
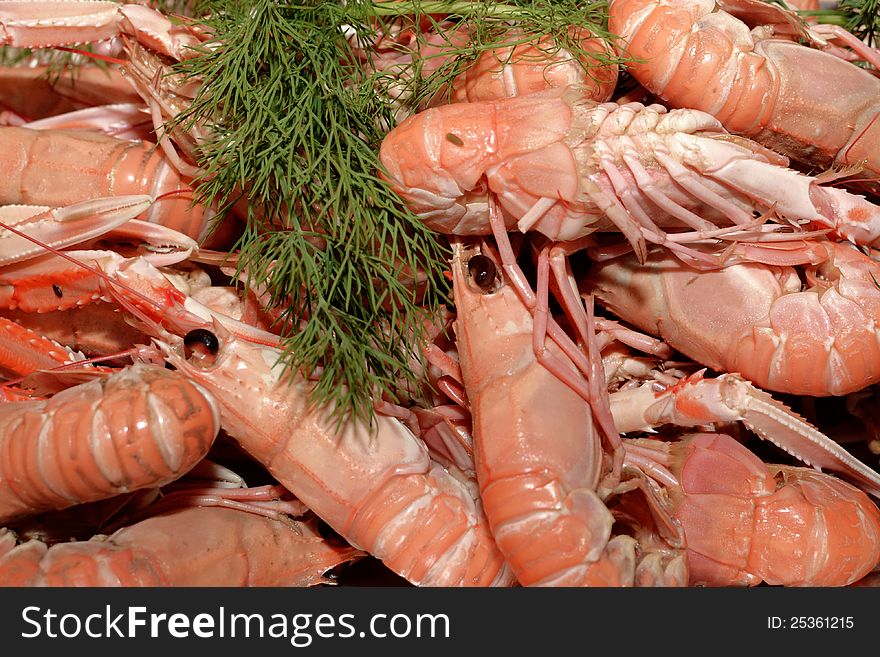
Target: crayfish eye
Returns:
[[482, 270], [201, 344]]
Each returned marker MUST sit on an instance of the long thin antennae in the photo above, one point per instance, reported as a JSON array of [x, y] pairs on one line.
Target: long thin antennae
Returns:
[[174, 296], [93, 55], [74, 364], [95, 270]]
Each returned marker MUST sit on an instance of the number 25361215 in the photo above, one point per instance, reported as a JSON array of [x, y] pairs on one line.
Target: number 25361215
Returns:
[[810, 623]]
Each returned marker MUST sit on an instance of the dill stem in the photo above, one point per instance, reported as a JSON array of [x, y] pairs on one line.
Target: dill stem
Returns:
[[497, 10], [825, 16]]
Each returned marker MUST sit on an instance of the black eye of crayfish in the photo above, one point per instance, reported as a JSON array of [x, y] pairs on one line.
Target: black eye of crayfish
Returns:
[[201, 344], [482, 270]]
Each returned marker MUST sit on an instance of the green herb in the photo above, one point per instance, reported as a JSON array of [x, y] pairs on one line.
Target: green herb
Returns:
[[58, 62], [861, 17], [489, 28], [295, 126]]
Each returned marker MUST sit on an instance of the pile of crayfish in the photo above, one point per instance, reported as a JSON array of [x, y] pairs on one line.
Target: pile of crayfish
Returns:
[[657, 290]]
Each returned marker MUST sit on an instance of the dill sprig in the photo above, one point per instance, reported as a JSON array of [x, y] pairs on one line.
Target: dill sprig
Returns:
[[861, 17], [294, 125], [327, 238], [489, 27], [537, 17]]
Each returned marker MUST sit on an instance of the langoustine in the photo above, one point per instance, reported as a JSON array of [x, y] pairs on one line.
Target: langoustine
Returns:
[[143, 426], [565, 167], [746, 522], [537, 454], [88, 166], [114, 165], [525, 64], [801, 503], [526, 351], [697, 54], [817, 337], [377, 487], [187, 547]]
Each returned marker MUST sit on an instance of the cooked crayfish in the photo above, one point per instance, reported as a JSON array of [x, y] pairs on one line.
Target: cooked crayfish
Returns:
[[818, 337], [565, 166], [538, 472], [377, 487], [186, 547], [746, 522], [141, 427], [699, 54]]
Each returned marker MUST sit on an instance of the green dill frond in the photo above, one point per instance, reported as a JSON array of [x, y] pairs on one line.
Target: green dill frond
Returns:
[[861, 17], [295, 125], [58, 61], [488, 27], [536, 16], [15, 56], [326, 236]]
